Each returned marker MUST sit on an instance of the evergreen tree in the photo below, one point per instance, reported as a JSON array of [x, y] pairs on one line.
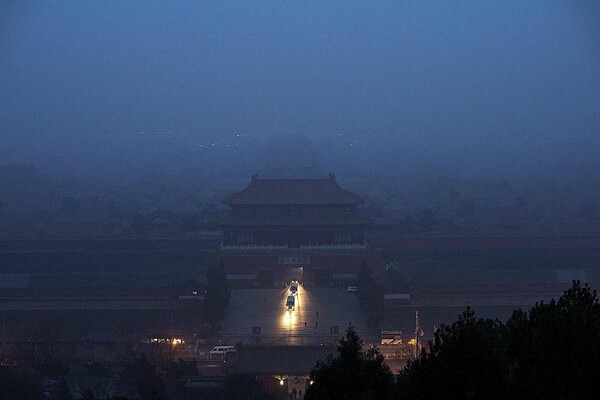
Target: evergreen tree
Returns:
[[217, 296], [18, 384], [369, 295], [550, 352], [142, 375], [465, 361], [556, 347], [221, 285], [352, 374], [60, 391]]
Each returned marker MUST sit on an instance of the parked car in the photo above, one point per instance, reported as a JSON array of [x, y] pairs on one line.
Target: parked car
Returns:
[[221, 350], [352, 289]]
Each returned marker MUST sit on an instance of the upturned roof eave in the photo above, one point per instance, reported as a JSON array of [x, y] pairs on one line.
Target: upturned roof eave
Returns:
[[257, 193]]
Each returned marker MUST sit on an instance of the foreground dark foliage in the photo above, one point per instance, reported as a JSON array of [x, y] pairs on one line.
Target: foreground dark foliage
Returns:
[[555, 348], [352, 374], [550, 352], [218, 294], [18, 384], [369, 295], [465, 360]]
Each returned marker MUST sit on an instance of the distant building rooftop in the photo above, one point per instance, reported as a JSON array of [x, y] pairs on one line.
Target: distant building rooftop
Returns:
[[293, 192]]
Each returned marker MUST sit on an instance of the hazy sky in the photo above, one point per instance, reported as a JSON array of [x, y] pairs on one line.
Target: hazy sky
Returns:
[[73, 73]]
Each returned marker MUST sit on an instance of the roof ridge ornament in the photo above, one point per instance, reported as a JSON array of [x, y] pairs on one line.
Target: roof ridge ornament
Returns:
[[332, 176]]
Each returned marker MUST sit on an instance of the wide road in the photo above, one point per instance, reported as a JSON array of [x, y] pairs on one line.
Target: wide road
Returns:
[[317, 311]]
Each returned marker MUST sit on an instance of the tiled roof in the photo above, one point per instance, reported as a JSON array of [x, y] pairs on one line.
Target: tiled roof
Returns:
[[268, 360], [293, 191]]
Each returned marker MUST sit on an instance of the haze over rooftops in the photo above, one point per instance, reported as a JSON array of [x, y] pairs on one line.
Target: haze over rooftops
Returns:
[[293, 192]]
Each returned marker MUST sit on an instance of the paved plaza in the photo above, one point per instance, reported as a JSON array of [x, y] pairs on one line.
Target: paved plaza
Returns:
[[317, 311]]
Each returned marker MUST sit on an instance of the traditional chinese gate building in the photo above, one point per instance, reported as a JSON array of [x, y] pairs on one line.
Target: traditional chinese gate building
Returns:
[[306, 229]]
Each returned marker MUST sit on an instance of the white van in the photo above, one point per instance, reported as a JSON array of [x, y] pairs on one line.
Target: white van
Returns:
[[221, 350]]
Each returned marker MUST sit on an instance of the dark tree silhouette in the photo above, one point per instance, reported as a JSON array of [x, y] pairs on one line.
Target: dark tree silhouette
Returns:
[[465, 361], [142, 375], [353, 374], [369, 295], [221, 286], [60, 391], [93, 381], [218, 295], [550, 352], [556, 347], [18, 384]]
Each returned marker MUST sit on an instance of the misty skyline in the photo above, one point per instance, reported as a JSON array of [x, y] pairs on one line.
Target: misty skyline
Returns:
[[140, 82]]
